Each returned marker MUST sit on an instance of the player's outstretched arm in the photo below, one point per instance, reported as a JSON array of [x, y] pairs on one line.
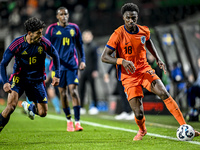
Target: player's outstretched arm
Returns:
[[162, 66], [150, 46]]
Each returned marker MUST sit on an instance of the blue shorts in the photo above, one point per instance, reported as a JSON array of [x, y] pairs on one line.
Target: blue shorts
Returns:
[[68, 77], [34, 90]]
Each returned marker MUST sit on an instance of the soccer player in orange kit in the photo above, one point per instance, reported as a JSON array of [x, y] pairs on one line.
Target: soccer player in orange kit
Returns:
[[133, 70]]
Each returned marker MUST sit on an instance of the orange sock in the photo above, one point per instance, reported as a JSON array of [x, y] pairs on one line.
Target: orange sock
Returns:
[[174, 110], [141, 123]]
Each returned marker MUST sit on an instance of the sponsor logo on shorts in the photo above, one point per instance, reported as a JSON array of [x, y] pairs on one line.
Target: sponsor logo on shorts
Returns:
[[151, 72], [76, 80], [45, 99]]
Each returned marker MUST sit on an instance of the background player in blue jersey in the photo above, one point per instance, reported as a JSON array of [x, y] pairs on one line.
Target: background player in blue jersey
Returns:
[[66, 37], [28, 75]]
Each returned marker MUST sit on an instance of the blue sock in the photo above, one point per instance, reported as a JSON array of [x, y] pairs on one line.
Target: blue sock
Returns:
[[30, 102], [67, 112], [56, 104], [3, 121], [32, 108], [77, 112]]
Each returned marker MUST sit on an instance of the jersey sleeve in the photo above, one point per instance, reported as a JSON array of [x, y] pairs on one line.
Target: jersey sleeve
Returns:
[[79, 44], [51, 51], [7, 56], [113, 41], [48, 32], [147, 33]]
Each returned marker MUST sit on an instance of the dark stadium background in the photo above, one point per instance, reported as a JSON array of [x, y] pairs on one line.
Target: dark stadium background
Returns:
[[174, 25]]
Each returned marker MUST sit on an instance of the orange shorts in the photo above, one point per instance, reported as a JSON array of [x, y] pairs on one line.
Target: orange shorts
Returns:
[[133, 85]]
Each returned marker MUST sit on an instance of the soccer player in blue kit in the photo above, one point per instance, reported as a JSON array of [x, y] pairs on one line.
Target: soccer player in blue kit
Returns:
[[28, 75], [66, 36]]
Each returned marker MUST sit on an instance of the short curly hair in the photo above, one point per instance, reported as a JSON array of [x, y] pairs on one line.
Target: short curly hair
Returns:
[[33, 24], [60, 8], [129, 7]]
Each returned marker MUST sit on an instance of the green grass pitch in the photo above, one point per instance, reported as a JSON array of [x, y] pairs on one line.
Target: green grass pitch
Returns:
[[100, 132]]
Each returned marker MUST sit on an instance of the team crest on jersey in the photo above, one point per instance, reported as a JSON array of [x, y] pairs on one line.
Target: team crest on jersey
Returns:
[[72, 32], [40, 49], [143, 39]]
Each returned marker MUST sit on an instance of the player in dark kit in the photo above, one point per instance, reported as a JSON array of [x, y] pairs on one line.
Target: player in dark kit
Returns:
[[28, 75], [66, 36]]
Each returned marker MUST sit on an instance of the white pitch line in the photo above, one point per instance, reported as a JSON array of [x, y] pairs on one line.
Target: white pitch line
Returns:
[[146, 122], [118, 128], [111, 127]]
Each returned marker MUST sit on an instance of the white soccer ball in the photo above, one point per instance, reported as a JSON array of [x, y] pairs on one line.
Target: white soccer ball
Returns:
[[185, 133]]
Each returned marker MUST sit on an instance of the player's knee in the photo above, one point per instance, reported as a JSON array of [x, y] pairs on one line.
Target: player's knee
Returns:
[[163, 94], [63, 93], [139, 115], [42, 113], [73, 93], [11, 107]]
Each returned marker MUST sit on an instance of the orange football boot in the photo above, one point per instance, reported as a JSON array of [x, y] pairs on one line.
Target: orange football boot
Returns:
[[70, 126], [78, 127]]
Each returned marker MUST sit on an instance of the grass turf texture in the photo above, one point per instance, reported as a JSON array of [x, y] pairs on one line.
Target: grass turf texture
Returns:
[[49, 133]]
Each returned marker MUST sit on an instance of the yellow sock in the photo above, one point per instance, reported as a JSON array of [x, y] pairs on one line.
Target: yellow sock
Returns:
[[174, 110], [141, 123]]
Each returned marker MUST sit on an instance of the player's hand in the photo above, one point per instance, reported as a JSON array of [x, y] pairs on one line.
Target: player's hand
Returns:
[[162, 66], [55, 81], [82, 66], [7, 87], [129, 66]]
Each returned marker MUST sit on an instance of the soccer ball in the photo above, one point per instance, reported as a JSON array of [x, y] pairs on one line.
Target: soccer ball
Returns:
[[185, 133]]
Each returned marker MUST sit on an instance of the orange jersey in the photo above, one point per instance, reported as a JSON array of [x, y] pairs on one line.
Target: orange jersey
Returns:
[[130, 46]]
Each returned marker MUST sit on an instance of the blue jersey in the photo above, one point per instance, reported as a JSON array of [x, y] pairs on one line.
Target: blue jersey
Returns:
[[29, 59], [65, 40]]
